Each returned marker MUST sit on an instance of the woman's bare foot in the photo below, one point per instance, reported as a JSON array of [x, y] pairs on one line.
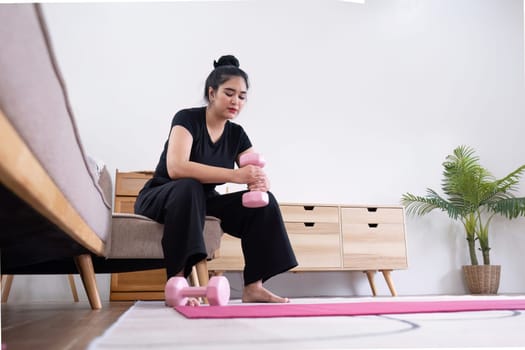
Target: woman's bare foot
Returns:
[[193, 302], [189, 302], [256, 293]]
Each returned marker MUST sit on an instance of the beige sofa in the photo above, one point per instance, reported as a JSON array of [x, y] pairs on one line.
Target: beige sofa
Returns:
[[55, 204]]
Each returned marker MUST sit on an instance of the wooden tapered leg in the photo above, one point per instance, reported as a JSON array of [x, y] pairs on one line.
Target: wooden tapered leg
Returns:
[[389, 281], [6, 287], [370, 275], [202, 272], [194, 277], [73, 287], [87, 273], [194, 281], [202, 275]]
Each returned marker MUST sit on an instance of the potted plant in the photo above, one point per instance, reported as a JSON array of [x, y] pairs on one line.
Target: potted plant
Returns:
[[474, 196]]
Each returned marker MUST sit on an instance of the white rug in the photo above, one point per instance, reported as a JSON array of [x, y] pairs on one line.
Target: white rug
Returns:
[[151, 325]]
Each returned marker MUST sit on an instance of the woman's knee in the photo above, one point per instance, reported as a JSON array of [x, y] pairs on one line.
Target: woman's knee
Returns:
[[272, 201], [189, 183], [187, 189]]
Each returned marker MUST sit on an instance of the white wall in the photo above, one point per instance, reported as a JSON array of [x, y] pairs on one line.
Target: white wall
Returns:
[[349, 103]]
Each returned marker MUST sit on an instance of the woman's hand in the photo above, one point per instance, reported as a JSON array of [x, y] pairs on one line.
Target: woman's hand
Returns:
[[261, 184], [248, 174], [254, 177]]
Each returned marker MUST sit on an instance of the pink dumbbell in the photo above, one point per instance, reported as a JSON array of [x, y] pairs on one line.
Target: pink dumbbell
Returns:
[[177, 291], [253, 199]]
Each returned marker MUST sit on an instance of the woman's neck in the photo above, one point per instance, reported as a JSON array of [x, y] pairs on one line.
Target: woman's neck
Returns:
[[214, 124], [213, 119]]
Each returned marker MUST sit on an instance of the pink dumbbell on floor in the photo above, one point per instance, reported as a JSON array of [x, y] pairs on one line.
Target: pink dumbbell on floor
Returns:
[[253, 199], [177, 291]]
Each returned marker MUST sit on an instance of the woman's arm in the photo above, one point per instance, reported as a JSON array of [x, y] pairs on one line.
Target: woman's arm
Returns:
[[180, 166]]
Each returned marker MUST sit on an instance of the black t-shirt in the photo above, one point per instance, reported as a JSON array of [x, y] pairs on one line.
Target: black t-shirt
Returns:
[[222, 153]]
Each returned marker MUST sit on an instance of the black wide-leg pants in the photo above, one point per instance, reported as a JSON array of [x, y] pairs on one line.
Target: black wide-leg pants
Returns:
[[182, 205]]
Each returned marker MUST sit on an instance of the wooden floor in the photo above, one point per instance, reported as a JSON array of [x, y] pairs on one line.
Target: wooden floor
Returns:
[[57, 326]]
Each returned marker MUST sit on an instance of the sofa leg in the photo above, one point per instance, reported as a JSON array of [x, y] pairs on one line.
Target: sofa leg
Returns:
[[202, 272], [7, 282], [87, 273], [194, 277], [73, 287]]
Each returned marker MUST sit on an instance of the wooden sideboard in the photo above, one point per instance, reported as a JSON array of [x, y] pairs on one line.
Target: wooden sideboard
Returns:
[[325, 237], [336, 238]]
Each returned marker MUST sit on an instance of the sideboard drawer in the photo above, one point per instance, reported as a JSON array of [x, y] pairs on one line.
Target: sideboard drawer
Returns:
[[367, 246], [124, 204], [387, 233], [129, 184], [370, 215], [317, 251], [309, 213], [312, 228], [139, 281]]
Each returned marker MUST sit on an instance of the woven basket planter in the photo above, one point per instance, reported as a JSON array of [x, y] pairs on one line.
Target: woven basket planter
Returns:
[[482, 279]]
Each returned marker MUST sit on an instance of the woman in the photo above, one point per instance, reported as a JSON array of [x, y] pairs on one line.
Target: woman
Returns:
[[200, 153]]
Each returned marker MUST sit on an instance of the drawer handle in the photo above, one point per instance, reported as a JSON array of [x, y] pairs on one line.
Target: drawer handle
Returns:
[[308, 207], [372, 210], [309, 224], [373, 225]]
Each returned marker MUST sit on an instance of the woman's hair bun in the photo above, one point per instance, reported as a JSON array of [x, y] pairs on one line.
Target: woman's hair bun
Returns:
[[225, 68], [227, 60]]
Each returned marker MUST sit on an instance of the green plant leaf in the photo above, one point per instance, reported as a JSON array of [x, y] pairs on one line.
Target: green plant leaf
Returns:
[[472, 195]]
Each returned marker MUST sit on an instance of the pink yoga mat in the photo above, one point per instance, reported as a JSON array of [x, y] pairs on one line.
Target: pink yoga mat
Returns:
[[346, 309]]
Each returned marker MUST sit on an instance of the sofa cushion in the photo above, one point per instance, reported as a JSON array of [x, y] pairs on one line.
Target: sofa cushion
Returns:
[[136, 236]]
